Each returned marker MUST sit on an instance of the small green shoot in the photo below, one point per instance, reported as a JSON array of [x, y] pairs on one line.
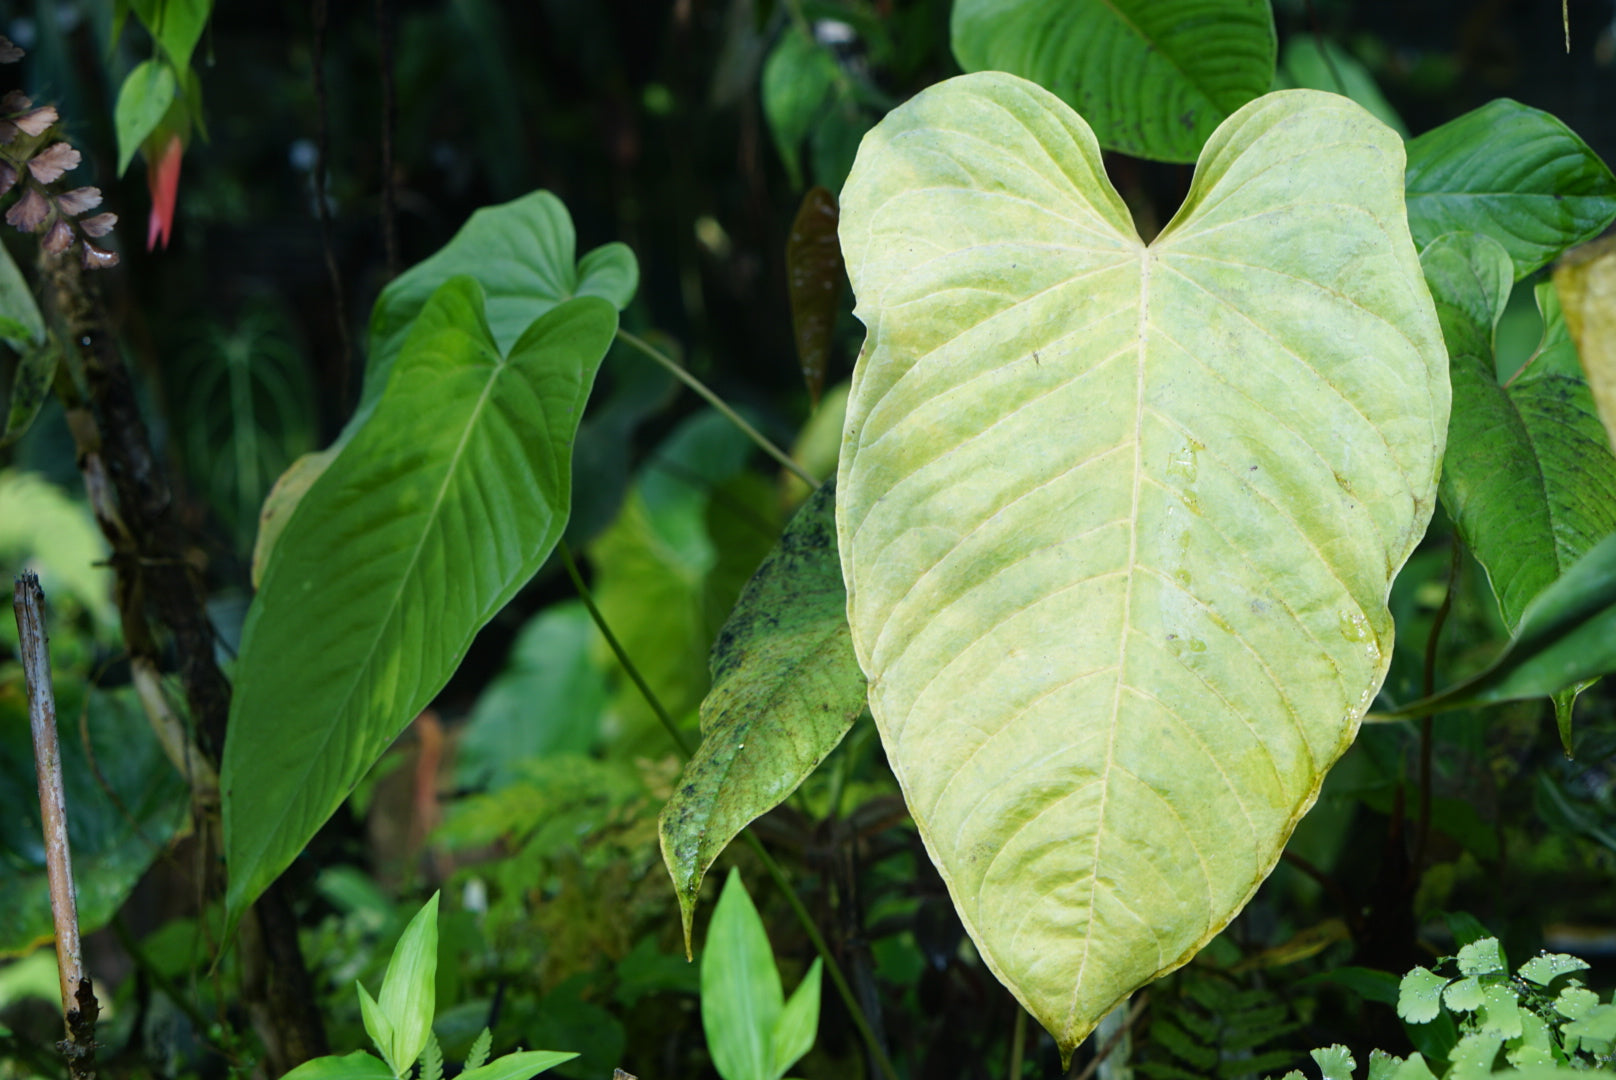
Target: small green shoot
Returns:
[[400, 1023], [753, 1032]]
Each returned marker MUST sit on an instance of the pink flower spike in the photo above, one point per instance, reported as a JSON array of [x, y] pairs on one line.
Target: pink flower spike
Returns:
[[163, 181]]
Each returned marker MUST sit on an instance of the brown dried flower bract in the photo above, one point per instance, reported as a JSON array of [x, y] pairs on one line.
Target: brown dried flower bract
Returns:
[[50, 163]]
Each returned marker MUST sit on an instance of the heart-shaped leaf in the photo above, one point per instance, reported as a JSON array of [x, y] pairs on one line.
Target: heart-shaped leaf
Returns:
[[1118, 522], [437, 512], [1153, 78]]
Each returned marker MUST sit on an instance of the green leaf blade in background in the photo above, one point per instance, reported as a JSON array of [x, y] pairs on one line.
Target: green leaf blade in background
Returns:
[[521, 253], [786, 688], [1514, 173], [419, 531], [1529, 478], [145, 96], [1311, 63], [1118, 523], [798, 78], [1152, 78]]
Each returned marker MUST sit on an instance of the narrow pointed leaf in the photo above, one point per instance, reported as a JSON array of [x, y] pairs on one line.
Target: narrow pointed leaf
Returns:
[[1586, 280], [798, 1023], [741, 997], [786, 687], [378, 1027], [518, 1066], [433, 517], [1152, 78], [1529, 477], [814, 264], [1515, 173], [1118, 522], [409, 989], [144, 98]]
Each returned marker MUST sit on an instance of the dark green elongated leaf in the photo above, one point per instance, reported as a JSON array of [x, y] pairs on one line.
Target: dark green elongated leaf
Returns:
[[124, 801], [1153, 78], [29, 389], [797, 81], [1529, 477], [1566, 636], [786, 687], [814, 263], [521, 253], [145, 96], [1513, 172], [420, 530]]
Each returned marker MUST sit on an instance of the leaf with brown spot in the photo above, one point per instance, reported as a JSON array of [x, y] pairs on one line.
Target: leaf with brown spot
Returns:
[[786, 687], [814, 263]]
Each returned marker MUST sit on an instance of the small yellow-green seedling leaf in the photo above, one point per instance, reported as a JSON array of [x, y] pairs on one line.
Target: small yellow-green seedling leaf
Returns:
[[1472, 1058], [1500, 1011], [1335, 1062], [1544, 968], [1483, 957], [1464, 995], [377, 1027], [741, 997], [358, 1065], [1575, 1001], [1419, 996], [409, 989], [519, 1066]]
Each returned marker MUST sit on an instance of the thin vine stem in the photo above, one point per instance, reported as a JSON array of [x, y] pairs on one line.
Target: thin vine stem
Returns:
[[773, 868], [679, 372], [1428, 688]]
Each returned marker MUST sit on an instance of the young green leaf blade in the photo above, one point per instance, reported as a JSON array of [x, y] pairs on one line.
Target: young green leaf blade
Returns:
[[1529, 478], [379, 1028], [1152, 78], [797, 80], [519, 1066], [786, 688], [1311, 63], [145, 96], [424, 526], [798, 1023], [741, 996], [409, 989], [1515, 173], [30, 386], [358, 1065], [1118, 522]]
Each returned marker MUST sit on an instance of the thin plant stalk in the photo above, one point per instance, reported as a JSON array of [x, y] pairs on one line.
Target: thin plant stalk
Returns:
[[79, 1007], [773, 868], [679, 372]]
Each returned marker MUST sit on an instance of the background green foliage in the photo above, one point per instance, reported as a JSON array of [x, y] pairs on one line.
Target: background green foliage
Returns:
[[530, 788]]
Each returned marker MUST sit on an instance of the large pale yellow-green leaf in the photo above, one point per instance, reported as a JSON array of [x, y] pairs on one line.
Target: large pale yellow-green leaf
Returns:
[[1118, 522]]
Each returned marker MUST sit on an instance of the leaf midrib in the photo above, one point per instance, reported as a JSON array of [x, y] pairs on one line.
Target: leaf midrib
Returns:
[[393, 606]]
